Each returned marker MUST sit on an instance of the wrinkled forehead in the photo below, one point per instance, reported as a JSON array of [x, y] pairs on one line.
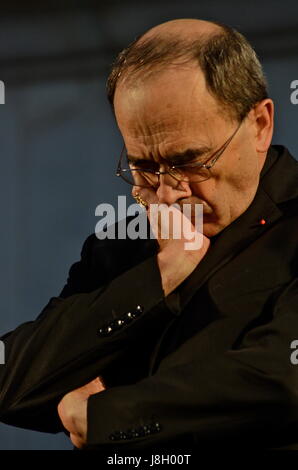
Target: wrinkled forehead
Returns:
[[155, 81], [176, 100]]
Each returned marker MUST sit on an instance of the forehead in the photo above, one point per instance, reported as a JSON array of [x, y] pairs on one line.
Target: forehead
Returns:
[[175, 96]]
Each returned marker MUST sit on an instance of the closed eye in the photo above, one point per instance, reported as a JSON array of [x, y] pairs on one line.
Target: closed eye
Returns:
[[144, 165], [193, 164], [187, 157]]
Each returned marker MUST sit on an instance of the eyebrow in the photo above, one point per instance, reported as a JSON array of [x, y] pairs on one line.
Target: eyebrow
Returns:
[[179, 158]]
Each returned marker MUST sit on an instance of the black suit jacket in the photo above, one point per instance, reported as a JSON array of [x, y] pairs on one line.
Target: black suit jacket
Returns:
[[209, 365]]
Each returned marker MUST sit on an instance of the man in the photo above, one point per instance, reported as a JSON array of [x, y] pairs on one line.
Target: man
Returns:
[[150, 345]]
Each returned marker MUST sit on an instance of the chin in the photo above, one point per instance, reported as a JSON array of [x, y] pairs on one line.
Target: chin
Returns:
[[211, 229], [211, 225]]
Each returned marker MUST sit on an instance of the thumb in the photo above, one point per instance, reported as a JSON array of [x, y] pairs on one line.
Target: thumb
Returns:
[[95, 386]]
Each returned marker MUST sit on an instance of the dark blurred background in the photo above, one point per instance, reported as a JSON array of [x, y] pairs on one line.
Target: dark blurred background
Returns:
[[59, 142]]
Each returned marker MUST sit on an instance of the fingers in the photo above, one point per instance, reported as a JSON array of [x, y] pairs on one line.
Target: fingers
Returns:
[[95, 386], [77, 440], [98, 385], [170, 222]]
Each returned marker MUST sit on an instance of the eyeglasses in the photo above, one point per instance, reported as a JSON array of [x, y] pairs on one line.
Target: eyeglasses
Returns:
[[144, 175]]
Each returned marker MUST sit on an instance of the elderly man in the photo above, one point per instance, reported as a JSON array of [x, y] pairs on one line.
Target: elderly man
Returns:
[[150, 345]]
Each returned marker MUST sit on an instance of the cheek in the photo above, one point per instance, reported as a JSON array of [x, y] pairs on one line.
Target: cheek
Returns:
[[232, 186], [205, 190], [242, 175]]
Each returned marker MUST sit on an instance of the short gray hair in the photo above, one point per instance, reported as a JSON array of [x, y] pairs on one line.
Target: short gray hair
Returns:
[[233, 73]]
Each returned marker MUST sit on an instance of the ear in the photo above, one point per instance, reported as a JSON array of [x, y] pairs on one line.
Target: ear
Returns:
[[263, 118]]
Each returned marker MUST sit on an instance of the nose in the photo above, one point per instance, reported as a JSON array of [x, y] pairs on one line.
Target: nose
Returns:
[[170, 190]]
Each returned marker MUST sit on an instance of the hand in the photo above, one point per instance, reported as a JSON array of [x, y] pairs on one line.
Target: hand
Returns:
[[72, 410], [175, 262]]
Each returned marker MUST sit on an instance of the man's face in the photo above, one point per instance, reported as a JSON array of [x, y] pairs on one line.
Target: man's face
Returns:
[[172, 112]]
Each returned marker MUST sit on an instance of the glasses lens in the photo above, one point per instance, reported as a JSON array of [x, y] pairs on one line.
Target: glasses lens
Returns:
[[146, 179], [139, 177], [190, 174], [144, 176]]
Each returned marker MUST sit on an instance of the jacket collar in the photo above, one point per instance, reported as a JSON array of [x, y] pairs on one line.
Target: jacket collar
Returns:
[[278, 183], [279, 176]]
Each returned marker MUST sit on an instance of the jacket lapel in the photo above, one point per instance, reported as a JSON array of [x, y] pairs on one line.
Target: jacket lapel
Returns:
[[241, 233], [234, 238]]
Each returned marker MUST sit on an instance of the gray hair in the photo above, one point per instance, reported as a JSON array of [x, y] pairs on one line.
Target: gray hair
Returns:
[[232, 71]]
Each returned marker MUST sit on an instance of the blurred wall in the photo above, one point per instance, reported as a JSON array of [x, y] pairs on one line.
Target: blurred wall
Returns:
[[59, 142]]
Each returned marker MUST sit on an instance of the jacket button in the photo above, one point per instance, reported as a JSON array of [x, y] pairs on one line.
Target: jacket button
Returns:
[[147, 430], [129, 433], [128, 318], [156, 427], [137, 312], [122, 435], [140, 431], [116, 435], [105, 331], [115, 325]]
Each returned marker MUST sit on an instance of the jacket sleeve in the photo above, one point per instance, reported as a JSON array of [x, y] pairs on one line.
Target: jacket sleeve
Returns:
[[250, 391], [77, 337]]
